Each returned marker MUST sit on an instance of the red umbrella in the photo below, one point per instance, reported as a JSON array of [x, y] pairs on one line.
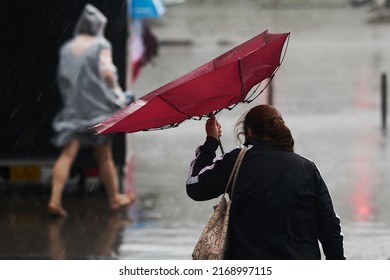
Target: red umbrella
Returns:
[[218, 84]]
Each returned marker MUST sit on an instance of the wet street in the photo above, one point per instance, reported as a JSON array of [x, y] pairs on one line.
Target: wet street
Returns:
[[328, 90]]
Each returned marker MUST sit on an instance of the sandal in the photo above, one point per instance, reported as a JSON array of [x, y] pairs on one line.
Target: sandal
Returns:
[[122, 201], [57, 211]]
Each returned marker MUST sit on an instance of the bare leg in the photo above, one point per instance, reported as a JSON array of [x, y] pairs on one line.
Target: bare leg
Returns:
[[109, 178], [60, 175]]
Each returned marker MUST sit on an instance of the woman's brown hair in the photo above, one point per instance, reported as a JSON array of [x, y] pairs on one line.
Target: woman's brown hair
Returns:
[[266, 123]]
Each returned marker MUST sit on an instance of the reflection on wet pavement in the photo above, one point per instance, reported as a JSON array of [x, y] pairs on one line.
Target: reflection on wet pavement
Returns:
[[90, 232]]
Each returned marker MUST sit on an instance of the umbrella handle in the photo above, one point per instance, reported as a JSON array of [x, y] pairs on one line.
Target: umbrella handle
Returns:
[[220, 146]]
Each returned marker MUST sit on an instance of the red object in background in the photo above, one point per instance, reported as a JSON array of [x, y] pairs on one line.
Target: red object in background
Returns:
[[218, 84], [144, 47], [91, 172]]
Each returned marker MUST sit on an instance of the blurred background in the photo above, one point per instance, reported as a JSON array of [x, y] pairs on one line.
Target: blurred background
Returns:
[[328, 89]]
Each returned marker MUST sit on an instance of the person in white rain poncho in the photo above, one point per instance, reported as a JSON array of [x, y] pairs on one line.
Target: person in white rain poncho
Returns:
[[88, 84]]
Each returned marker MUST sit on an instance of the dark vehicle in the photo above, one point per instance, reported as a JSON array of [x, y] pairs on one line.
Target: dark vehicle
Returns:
[[31, 33]]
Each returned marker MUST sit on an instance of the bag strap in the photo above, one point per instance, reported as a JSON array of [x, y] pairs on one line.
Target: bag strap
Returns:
[[236, 168]]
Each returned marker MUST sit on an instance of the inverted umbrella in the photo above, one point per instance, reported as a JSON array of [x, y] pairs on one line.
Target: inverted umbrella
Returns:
[[218, 84]]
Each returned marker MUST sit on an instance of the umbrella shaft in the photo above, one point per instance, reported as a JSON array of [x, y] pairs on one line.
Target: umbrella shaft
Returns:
[[220, 146]]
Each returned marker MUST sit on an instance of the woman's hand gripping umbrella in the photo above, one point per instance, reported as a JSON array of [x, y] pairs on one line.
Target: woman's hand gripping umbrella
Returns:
[[214, 129]]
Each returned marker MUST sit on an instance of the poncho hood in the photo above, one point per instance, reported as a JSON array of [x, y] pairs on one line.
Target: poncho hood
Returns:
[[91, 22]]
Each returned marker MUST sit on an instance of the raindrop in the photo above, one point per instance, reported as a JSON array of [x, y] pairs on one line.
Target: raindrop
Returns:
[[13, 218], [14, 113], [17, 141], [39, 97]]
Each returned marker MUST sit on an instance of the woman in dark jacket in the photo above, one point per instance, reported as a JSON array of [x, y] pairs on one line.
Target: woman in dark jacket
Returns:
[[282, 208]]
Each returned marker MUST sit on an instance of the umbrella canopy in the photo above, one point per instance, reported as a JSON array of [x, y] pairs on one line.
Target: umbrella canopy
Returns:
[[139, 9], [218, 84]]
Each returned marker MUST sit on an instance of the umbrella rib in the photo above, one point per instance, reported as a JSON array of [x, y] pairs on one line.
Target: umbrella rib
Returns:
[[173, 106], [241, 79], [250, 97], [285, 50]]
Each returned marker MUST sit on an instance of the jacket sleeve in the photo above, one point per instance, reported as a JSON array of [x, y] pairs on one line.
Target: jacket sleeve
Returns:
[[208, 178], [328, 224]]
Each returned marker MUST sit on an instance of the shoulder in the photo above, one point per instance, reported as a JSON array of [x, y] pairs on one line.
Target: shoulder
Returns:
[[65, 46], [309, 164], [232, 155], [306, 160], [104, 43]]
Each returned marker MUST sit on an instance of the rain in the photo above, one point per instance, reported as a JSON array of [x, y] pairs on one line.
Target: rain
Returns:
[[328, 89]]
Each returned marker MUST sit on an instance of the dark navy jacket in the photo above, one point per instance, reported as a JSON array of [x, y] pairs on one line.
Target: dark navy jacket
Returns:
[[281, 205]]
